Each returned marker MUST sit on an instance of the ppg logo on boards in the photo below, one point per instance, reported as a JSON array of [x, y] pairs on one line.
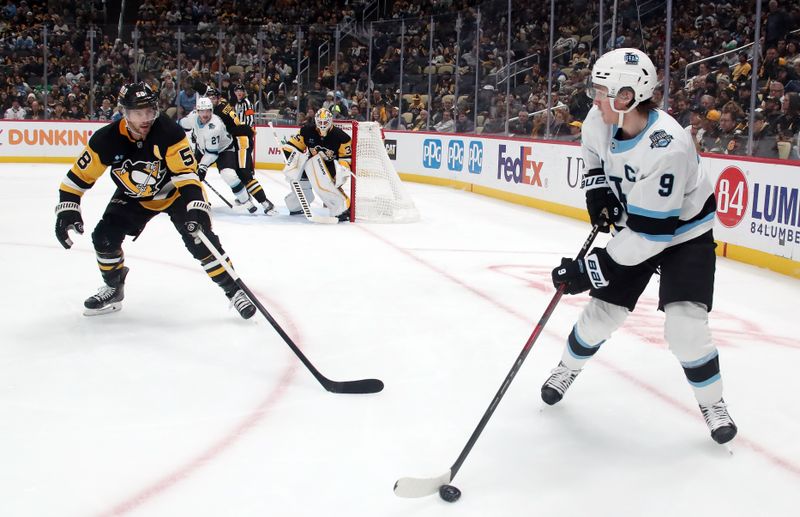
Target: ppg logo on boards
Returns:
[[455, 155], [432, 153], [475, 157]]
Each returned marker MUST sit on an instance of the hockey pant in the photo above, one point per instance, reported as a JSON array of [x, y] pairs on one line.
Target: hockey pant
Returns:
[[316, 176], [124, 216], [236, 168], [685, 330]]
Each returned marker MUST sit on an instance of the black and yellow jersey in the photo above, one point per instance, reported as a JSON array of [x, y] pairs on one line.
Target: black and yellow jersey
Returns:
[[152, 171], [241, 133], [336, 144]]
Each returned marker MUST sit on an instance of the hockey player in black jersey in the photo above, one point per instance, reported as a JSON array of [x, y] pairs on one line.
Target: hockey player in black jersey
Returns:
[[155, 171], [243, 139], [321, 152]]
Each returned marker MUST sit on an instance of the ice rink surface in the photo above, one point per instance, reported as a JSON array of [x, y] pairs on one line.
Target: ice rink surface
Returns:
[[176, 407]]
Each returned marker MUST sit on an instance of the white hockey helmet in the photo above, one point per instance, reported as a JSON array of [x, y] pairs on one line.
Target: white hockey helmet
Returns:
[[203, 103], [323, 120], [625, 68]]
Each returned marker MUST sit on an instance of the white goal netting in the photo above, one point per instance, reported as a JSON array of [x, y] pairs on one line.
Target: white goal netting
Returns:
[[377, 193]]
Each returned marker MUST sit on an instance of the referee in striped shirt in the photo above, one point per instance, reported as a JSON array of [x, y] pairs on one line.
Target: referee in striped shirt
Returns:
[[243, 106]]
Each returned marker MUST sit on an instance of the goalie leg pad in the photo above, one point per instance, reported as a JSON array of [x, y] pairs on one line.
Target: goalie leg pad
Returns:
[[323, 184], [689, 338], [595, 325], [295, 164], [291, 200]]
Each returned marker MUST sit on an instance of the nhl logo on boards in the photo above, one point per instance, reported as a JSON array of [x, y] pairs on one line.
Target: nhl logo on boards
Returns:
[[631, 58], [660, 139]]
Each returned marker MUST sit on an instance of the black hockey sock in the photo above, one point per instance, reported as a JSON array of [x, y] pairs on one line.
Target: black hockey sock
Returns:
[[110, 263], [255, 190], [217, 272]]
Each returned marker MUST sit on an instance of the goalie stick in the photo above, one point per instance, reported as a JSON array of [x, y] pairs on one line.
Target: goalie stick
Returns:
[[298, 191], [358, 386], [420, 487]]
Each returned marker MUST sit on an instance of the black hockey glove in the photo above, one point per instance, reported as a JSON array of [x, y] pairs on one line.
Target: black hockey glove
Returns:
[[201, 171], [582, 274], [602, 204], [197, 219], [68, 217]]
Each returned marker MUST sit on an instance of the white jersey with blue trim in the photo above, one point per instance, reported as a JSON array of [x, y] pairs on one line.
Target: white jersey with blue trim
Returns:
[[209, 139], [657, 176]]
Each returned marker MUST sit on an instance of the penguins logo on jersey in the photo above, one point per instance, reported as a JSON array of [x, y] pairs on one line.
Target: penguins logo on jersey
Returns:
[[140, 178], [660, 139]]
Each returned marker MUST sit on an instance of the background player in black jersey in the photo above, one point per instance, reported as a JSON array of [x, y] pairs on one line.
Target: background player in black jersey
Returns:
[[155, 171], [243, 141], [320, 152]]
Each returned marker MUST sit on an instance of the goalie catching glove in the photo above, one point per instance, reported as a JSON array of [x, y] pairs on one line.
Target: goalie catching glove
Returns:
[[68, 217], [583, 274], [602, 204]]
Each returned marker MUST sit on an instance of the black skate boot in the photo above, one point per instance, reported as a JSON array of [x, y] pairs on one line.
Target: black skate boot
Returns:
[[109, 298], [719, 421], [344, 216], [269, 208], [242, 303], [556, 385]]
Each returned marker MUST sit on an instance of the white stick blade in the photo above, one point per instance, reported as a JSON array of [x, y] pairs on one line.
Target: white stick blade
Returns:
[[416, 487], [323, 219]]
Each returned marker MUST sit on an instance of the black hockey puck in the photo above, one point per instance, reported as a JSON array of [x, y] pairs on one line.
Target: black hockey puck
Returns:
[[449, 493]]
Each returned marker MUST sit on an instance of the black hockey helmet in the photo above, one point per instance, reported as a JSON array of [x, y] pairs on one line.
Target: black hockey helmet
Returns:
[[239, 86], [213, 92], [137, 96]]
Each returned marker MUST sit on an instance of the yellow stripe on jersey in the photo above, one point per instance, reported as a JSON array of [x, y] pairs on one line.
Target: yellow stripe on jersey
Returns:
[[159, 205], [88, 167], [180, 161], [297, 142]]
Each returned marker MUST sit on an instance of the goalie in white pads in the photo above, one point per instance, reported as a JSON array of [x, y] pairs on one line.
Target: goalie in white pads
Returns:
[[213, 143], [644, 176], [318, 157]]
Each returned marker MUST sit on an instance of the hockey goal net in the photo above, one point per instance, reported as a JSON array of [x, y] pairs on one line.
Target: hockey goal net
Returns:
[[376, 192]]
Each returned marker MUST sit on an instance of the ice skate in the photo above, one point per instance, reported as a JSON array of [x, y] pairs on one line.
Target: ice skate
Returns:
[[557, 384], [719, 421], [242, 303], [109, 298]]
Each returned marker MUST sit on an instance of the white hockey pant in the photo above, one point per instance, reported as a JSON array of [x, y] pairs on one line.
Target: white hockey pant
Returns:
[[229, 176], [687, 333], [595, 325]]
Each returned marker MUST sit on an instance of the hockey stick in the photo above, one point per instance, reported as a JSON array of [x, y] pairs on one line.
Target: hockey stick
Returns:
[[218, 194], [298, 191], [359, 386], [419, 487]]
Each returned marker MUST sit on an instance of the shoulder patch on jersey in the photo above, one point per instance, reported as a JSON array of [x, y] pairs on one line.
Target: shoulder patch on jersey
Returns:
[[660, 139]]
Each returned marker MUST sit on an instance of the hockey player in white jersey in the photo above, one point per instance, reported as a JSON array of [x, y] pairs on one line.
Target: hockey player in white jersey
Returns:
[[212, 144], [643, 175]]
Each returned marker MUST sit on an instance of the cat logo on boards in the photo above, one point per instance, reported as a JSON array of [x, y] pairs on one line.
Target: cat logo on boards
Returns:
[[139, 178]]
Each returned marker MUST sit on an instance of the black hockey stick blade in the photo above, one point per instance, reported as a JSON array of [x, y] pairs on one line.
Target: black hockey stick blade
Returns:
[[420, 487], [361, 386]]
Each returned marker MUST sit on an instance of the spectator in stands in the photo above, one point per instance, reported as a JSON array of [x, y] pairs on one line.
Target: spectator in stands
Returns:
[[788, 124], [778, 24], [16, 111], [763, 142], [421, 122], [726, 141], [355, 113], [575, 131], [681, 111], [59, 112], [769, 68], [187, 99], [741, 71], [464, 124], [522, 126], [395, 121], [167, 93], [35, 112], [447, 124], [772, 110], [710, 130], [105, 111], [775, 89]]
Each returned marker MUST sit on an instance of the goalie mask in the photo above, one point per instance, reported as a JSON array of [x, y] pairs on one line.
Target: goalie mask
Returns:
[[620, 69], [324, 121]]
